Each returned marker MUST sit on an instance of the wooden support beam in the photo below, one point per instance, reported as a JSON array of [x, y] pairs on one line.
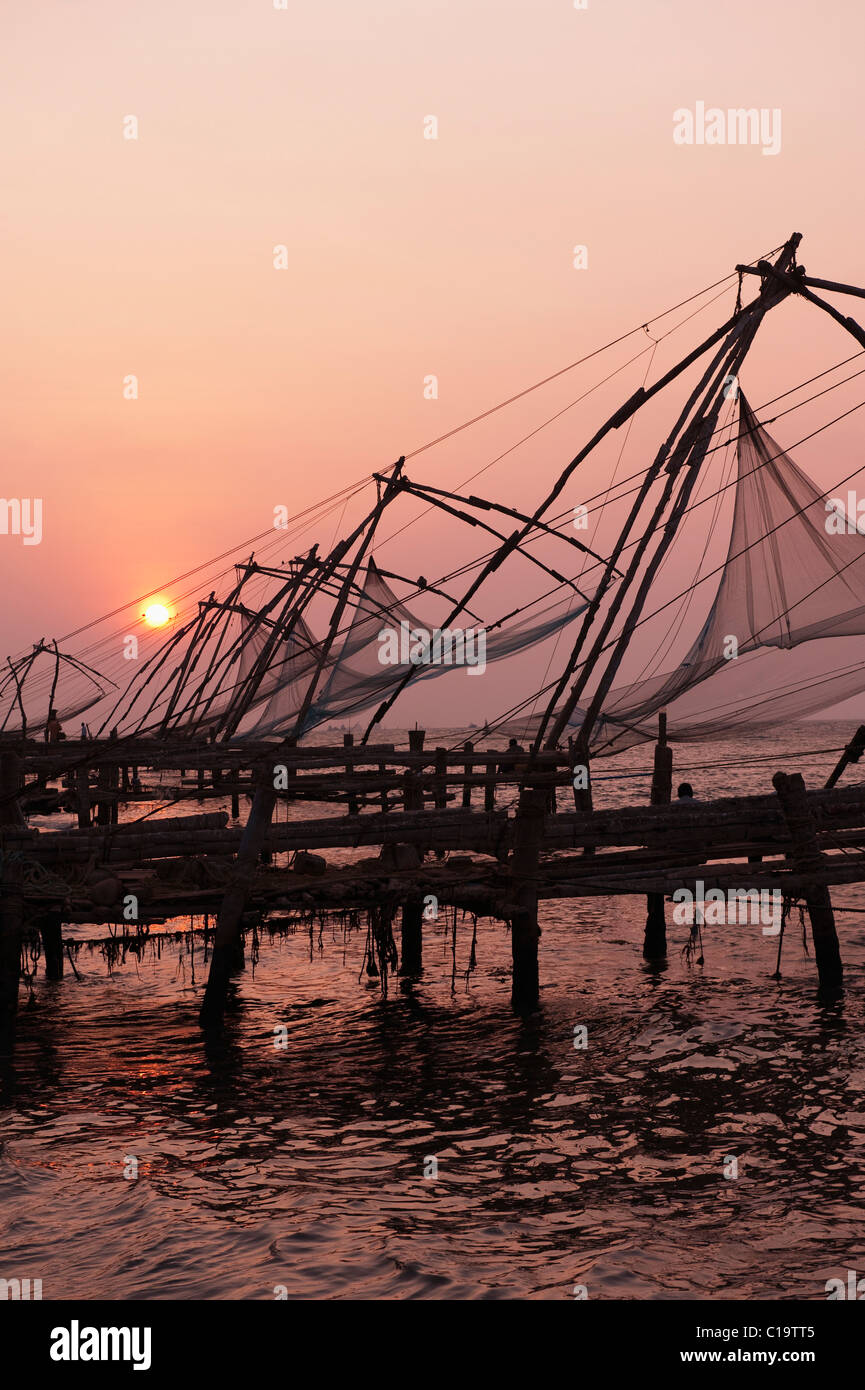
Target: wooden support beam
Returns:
[[82, 798], [468, 747], [655, 936], [808, 859], [852, 753], [51, 931], [11, 930], [411, 938], [525, 932], [578, 759], [353, 803], [11, 813], [834, 285]]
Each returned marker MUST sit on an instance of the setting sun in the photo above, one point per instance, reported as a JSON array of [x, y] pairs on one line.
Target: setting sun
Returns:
[[157, 615]]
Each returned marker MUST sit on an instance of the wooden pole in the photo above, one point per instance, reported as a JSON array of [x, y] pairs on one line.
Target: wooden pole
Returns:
[[525, 933], [468, 747], [54, 680], [416, 738], [411, 938], [353, 803], [10, 785], [808, 859], [655, 937], [578, 757], [11, 930], [411, 922], [51, 931], [11, 907], [229, 929], [691, 449], [852, 753], [82, 797], [103, 805]]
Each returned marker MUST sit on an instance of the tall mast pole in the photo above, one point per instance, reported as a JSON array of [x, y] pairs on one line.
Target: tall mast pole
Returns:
[[228, 928], [691, 450]]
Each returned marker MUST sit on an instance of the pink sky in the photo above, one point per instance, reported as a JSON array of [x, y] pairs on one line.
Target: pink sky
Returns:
[[407, 256]]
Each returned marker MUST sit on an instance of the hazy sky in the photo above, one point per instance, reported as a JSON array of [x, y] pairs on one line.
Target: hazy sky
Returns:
[[407, 257]]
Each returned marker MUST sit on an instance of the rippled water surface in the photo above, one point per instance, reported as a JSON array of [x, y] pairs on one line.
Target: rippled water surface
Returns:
[[304, 1166]]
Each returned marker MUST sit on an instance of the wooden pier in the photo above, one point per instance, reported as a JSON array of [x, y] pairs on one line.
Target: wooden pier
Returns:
[[490, 833]]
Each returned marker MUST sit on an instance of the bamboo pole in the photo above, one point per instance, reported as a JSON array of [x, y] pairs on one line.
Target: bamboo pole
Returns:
[[11, 903], [525, 933], [655, 937], [691, 449], [468, 747], [808, 859], [852, 753], [11, 932], [228, 930]]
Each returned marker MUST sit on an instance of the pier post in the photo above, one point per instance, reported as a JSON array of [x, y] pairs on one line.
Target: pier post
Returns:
[[440, 786], [578, 756], [415, 742], [51, 931], [103, 806], [490, 787], [440, 793], [11, 781], [114, 806], [655, 937], [525, 932], [11, 930], [411, 938], [468, 747], [411, 920], [82, 797], [808, 860], [353, 807], [228, 938], [112, 781]]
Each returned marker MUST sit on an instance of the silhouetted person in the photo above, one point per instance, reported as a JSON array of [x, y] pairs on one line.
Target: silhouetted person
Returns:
[[511, 757], [685, 795]]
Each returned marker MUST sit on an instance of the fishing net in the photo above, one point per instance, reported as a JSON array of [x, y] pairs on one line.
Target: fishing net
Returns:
[[356, 677], [783, 636]]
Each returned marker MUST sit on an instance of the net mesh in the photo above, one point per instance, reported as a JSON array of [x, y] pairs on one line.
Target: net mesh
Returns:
[[783, 636]]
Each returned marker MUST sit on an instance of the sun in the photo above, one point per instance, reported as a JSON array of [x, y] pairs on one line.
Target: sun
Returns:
[[157, 615]]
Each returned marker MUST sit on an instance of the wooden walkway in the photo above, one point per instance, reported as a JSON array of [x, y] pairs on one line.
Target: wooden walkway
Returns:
[[479, 831]]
